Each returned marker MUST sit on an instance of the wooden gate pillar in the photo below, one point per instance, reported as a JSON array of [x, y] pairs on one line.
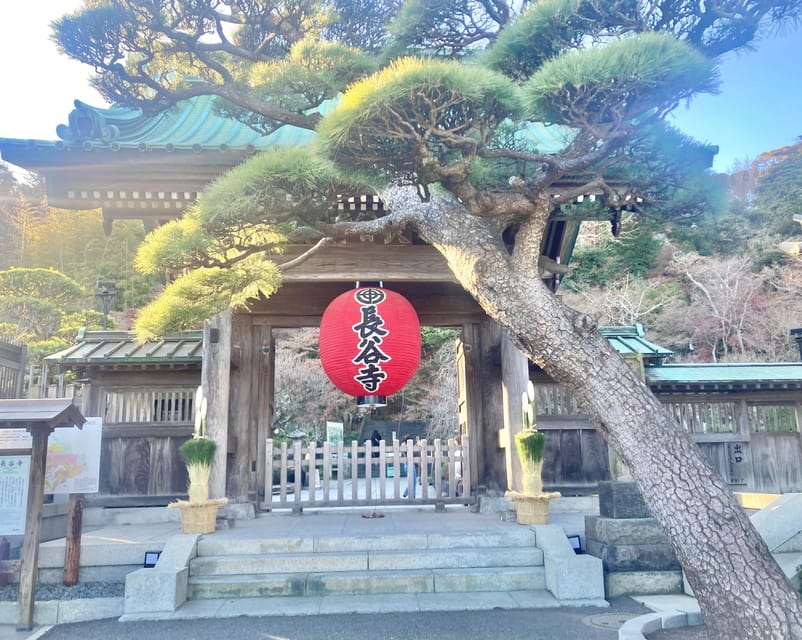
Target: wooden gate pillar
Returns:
[[215, 380], [265, 403], [514, 379], [479, 372], [251, 407], [469, 401]]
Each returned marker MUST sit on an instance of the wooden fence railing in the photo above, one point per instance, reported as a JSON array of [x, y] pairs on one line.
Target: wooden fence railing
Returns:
[[158, 406], [698, 415], [394, 472], [12, 370]]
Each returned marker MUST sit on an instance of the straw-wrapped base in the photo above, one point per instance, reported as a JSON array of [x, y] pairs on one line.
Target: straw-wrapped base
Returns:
[[198, 517], [532, 508]]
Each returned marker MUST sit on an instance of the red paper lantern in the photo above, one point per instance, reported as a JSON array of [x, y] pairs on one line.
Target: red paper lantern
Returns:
[[370, 342]]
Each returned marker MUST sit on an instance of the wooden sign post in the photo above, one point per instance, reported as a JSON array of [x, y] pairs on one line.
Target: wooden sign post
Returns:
[[33, 527], [39, 418], [72, 552]]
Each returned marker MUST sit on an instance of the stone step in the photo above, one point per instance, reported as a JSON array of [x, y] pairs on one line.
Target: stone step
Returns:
[[368, 582], [326, 562], [212, 546], [789, 562]]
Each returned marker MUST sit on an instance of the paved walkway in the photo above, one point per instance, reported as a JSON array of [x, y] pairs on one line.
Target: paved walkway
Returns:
[[565, 623], [361, 523]]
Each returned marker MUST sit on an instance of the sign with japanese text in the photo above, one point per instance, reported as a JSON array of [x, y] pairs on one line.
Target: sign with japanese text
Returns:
[[14, 474], [370, 342], [736, 462]]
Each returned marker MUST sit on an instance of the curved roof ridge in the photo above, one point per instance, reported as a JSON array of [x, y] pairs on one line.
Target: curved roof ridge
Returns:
[[191, 123]]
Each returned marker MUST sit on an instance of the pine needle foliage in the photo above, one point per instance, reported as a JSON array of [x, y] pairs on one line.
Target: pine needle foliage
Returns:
[[172, 245], [414, 112], [312, 72], [530, 445], [198, 451], [643, 73], [541, 32], [200, 293], [291, 183]]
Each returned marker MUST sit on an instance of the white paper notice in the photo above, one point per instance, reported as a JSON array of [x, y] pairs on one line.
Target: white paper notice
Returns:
[[14, 473]]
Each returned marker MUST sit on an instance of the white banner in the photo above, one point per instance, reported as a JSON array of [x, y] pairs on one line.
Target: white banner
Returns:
[[14, 439], [14, 474]]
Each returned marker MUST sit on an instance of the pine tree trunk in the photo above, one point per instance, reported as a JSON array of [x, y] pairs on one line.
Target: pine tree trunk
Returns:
[[740, 588]]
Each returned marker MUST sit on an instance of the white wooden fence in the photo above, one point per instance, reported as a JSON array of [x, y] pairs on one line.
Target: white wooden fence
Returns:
[[337, 475]]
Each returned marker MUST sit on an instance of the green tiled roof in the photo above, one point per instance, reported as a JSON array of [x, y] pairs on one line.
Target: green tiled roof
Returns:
[[776, 375], [629, 340], [114, 348], [121, 347], [192, 124], [195, 124]]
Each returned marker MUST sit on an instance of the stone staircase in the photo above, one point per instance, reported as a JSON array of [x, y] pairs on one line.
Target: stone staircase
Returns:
[[389, 564], [347, 562]]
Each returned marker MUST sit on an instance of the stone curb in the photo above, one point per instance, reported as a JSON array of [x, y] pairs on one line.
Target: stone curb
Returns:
[[49, 612], [637, 628]]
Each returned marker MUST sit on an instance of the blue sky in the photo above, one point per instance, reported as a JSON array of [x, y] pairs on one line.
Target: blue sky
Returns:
[[759, 108]]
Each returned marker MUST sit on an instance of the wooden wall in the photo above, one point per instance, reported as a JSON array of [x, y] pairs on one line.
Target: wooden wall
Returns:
[[776, 462], [140, 460], [728, 429], [576, 456]]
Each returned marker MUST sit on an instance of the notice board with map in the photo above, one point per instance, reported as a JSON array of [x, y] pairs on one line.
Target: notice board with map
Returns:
[[73, 459]]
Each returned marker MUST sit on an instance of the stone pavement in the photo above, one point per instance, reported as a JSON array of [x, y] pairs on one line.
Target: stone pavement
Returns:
[[566, 623], [322, 523]]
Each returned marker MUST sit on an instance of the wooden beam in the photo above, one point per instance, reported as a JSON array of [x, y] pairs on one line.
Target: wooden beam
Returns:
[[366, 261], [299, 304]]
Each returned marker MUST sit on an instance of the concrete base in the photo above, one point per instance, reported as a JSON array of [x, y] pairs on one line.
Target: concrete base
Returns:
[[163, 587], [637, 555], [622, 583], [634, 557], [64, 611], [496, 504], [624, 531], [569, 576], [237, 511], [780, 525]]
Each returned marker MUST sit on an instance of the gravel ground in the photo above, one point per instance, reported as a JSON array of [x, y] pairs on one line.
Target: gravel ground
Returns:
[[10, 592]]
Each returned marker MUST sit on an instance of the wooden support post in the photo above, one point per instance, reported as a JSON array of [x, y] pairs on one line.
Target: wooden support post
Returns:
[[33, 527], [215, 381], [72, 552], [514, 378]]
